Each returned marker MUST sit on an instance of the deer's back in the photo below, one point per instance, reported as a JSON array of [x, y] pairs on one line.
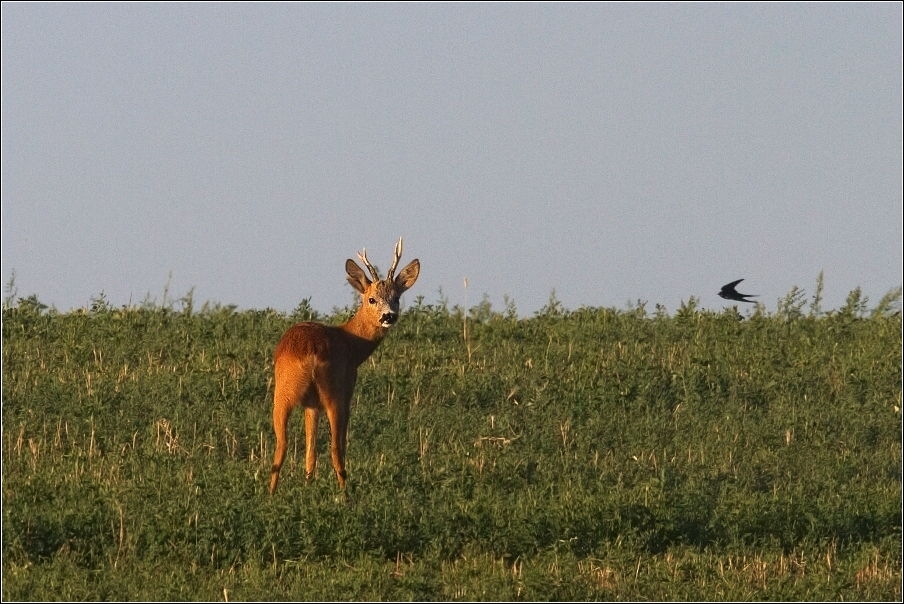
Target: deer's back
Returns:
[[305, 342]]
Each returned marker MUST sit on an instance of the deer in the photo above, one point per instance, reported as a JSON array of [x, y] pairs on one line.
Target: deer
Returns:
[[316, 365]]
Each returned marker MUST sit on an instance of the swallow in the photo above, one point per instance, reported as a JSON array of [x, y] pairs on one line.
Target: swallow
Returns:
[[729, 292]]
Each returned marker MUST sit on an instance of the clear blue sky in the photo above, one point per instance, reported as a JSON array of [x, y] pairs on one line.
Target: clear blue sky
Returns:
[[612, 152]]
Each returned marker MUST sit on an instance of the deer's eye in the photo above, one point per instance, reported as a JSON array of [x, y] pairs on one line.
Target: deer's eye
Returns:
[[372, 301]]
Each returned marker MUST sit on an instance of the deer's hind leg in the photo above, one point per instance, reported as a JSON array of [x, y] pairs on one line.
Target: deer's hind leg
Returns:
[[291, 388], [280, 422]]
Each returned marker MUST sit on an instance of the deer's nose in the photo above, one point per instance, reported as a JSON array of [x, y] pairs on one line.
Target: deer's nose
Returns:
[[389, 317]]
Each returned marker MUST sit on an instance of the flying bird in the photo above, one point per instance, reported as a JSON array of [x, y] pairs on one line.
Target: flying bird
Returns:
[[729, 292]]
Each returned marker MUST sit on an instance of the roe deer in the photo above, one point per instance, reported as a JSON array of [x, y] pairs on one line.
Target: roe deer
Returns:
[[316, 365]]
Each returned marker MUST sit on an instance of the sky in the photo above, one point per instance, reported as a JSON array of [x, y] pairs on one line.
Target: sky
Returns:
[[606, 154]]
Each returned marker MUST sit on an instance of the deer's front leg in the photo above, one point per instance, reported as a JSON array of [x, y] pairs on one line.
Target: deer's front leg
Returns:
[[311, 414], [339, 438]]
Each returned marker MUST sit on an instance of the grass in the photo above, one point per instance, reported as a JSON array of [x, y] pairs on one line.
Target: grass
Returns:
[[573, 455]]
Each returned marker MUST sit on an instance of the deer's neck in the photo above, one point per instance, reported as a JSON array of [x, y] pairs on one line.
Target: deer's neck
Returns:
[[363, 337]]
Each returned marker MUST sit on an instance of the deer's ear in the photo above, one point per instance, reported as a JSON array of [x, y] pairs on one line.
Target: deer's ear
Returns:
[[408, 276], [356, 276]]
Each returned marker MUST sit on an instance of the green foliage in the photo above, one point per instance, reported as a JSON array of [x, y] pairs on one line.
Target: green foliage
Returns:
[[592, 454], [816, 304], [791, 306], [887, 303]]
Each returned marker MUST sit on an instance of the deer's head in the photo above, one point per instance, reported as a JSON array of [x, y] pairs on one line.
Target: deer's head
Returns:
[[380, 297]]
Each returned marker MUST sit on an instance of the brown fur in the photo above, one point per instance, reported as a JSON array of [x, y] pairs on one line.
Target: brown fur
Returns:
[[316, 366]]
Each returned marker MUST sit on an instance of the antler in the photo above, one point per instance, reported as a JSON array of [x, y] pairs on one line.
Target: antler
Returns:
[[395, 261], [373, 272]]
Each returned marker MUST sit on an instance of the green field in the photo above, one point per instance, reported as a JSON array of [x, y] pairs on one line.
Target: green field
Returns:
[[590, 454]]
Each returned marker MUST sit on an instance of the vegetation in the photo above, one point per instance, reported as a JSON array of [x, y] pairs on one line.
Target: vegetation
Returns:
[[592, 454]]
